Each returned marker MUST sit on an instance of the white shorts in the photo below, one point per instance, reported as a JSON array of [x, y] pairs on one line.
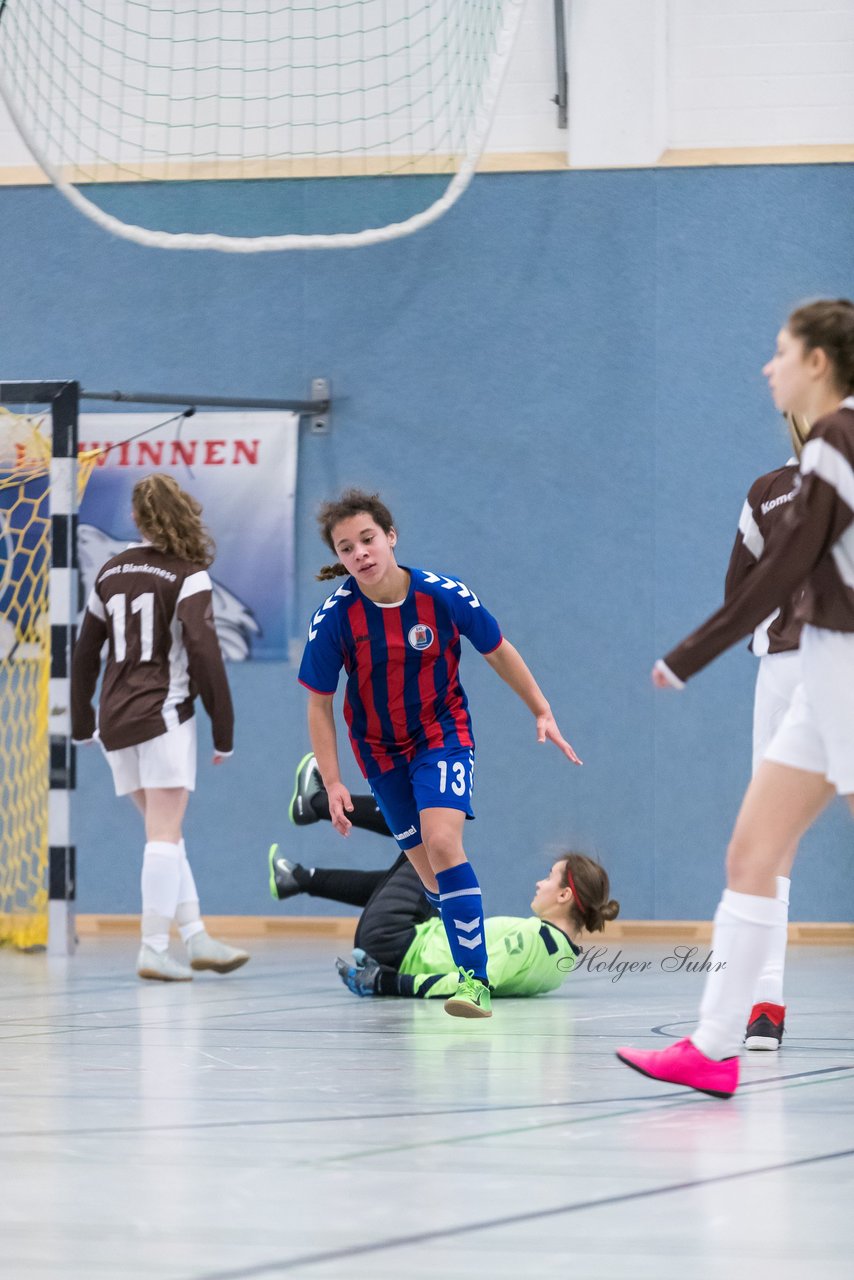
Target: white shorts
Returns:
[[817, 733], [168, 760], [777, 679]]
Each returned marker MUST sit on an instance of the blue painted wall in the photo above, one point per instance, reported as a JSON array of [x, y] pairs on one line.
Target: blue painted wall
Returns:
[[557, 388]]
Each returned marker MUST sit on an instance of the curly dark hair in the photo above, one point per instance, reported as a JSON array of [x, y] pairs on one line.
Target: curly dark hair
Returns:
[[353, 502]]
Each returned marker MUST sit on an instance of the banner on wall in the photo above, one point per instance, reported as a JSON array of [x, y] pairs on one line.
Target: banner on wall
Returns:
[[242, 468]]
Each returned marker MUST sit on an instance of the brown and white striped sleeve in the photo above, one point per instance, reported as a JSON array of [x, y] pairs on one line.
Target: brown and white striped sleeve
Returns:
[[194, 611], [746, 550], [85, 668]]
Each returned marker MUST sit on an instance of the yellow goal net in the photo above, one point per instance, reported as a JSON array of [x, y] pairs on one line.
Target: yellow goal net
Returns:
[[25, 561]]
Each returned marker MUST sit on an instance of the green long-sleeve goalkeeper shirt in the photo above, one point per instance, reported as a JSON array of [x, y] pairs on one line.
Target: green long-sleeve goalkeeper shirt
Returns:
[[526, 956]]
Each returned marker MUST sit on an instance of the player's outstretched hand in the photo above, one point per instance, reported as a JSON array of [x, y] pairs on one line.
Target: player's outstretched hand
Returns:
[[361, 974], [339, 800], [547, 731], [219, 758]]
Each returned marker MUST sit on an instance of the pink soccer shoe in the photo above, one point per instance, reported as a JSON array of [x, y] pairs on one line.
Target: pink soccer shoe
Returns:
[[682, 1063]]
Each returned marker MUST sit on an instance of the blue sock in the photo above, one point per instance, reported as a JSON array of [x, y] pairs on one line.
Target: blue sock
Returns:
[[462, 915], [433, 899]]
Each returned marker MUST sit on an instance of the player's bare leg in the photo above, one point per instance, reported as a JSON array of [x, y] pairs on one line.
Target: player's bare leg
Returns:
[[420, 861], [781, 803]]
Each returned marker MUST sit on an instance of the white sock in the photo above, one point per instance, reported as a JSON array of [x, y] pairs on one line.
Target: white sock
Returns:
[[187, 916], [744, 931], [770, 985], [161, 876]]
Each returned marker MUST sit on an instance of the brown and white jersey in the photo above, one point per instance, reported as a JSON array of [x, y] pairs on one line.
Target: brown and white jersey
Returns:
[[813, 550], [156, 611], [761, 517]]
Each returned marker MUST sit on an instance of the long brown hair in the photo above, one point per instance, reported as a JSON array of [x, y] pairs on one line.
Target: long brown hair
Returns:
[[592, 905], [171, 519], [828, 325], [353, 502]]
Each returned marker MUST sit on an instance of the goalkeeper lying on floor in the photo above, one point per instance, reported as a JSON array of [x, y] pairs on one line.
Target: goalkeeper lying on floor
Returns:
[[400, 945]]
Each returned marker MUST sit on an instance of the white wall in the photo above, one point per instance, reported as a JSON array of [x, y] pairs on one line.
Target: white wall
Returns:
[[13, 151], [767, 73], [617, 70], [345, 82], [526, 119], [651, 75], [646, 75]]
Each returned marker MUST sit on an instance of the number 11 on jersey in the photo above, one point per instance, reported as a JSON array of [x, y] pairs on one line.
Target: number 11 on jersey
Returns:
[[116, 607]]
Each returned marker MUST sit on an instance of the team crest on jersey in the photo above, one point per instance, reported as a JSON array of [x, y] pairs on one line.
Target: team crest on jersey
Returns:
[[420, 636]]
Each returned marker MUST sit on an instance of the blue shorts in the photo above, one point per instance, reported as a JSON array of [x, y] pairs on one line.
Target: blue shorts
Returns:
[[437, 779]]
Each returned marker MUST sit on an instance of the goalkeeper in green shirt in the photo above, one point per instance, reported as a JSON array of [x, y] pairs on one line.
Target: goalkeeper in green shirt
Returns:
[[401, 948]]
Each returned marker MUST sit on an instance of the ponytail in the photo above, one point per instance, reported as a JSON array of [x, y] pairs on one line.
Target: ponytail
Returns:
[[799, 429], [330, 571]]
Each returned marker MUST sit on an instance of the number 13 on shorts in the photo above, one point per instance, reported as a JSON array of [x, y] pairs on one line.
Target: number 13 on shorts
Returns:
[[456, 775]]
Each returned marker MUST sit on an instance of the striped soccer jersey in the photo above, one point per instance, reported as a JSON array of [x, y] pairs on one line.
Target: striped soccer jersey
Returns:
[[762, 515], [814, 548], [402, 661], [157, 613]]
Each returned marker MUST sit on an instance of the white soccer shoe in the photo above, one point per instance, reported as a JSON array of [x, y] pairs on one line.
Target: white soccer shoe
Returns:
[[160, 967], [207, 953]]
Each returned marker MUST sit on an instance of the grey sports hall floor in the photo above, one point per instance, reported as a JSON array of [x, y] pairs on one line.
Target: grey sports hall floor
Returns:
[[272, 1124]]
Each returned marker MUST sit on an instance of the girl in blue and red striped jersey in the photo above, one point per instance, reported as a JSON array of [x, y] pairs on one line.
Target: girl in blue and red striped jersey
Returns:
[[396, 631]]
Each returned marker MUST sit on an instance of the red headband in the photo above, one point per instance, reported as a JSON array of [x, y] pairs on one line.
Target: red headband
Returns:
[[575, 894]]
